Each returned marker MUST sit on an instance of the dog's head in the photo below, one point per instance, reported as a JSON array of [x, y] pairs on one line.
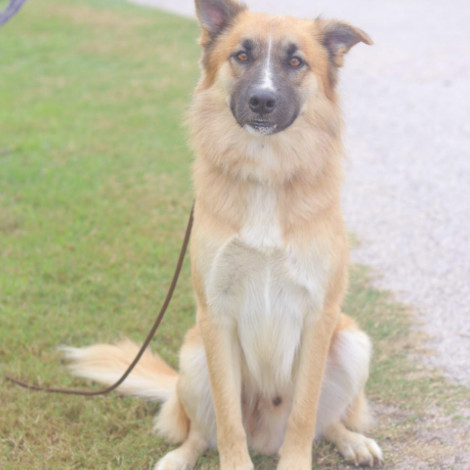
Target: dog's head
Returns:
[[270, 68]]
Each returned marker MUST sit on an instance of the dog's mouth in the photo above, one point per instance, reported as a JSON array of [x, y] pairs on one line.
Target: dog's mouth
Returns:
[[259, 127]]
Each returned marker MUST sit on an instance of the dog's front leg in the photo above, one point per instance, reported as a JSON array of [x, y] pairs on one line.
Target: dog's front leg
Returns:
[[223, 359], [296, 450]]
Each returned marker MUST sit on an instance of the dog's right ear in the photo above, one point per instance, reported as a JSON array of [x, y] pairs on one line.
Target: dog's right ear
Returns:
[[215, 16], [339, 37]]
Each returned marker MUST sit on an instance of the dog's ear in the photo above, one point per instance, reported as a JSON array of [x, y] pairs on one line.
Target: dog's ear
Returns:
[[216, 15], [339, 37]]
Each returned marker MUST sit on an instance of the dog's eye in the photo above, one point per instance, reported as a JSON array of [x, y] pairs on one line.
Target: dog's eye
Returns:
[[242, 56], [295, 62]]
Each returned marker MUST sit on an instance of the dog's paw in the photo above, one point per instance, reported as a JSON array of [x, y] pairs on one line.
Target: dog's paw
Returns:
[[360, 450], [172, 462]]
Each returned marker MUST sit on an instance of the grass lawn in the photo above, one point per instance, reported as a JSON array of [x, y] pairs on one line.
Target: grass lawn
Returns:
[[94, 196]]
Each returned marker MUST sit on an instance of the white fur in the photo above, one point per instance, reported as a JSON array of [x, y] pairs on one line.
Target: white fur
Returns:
[[261, 131], [262, 229], [347, 369], [194, 383], [267, 82], [270, 325], [267, 291]]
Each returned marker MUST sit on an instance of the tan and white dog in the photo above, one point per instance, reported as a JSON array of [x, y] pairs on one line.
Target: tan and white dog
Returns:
[[272, 362]]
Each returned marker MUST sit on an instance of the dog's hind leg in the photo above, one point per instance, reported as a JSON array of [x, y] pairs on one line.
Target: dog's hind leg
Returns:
[[358, 416], [191, 404], [342, 403], [353, 446], [185, 456]]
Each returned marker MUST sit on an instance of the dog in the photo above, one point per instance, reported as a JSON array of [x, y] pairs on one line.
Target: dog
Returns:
[[272, 362]]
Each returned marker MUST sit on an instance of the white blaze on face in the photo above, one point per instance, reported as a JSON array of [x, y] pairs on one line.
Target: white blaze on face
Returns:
[[267, 82]]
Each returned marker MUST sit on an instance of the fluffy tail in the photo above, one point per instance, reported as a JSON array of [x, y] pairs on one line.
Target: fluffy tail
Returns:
[[151, 378]]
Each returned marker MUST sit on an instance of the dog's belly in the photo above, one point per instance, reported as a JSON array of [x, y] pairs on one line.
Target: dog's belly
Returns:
[[267, 295]]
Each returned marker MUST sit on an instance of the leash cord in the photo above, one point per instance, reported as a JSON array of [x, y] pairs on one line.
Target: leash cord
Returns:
[[149, 337], [11, 10]]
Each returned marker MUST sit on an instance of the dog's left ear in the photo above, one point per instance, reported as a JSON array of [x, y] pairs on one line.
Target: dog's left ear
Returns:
[[339, 37], [216, 15]]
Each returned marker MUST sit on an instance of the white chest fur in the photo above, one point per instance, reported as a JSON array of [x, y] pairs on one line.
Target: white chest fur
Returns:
[[261, 228], [267, 290]]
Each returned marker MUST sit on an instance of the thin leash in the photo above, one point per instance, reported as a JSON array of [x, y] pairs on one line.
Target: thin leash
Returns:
[[11, 10], [149, 337]]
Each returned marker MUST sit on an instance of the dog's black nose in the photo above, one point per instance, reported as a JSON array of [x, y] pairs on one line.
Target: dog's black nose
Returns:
[[262, 101]]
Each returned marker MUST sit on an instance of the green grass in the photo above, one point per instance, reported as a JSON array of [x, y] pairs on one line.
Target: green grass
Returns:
[[94, 196]]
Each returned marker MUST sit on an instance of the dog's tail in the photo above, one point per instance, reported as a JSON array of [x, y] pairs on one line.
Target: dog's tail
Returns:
[[151, 378]]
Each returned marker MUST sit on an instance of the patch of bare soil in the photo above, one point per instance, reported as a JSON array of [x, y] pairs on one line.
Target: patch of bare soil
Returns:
[[433, 441]]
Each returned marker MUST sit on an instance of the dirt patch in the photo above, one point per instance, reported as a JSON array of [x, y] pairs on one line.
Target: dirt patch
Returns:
[[430, 441]]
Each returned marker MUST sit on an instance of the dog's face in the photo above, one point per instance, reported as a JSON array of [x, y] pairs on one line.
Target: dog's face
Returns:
[[269, 68], [264, 78]]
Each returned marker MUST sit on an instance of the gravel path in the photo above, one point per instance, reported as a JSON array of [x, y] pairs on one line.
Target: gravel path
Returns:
[[407, 195]]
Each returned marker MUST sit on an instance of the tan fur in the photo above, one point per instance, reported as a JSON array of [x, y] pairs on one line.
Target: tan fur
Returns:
[[152, 378], [264, 205]]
